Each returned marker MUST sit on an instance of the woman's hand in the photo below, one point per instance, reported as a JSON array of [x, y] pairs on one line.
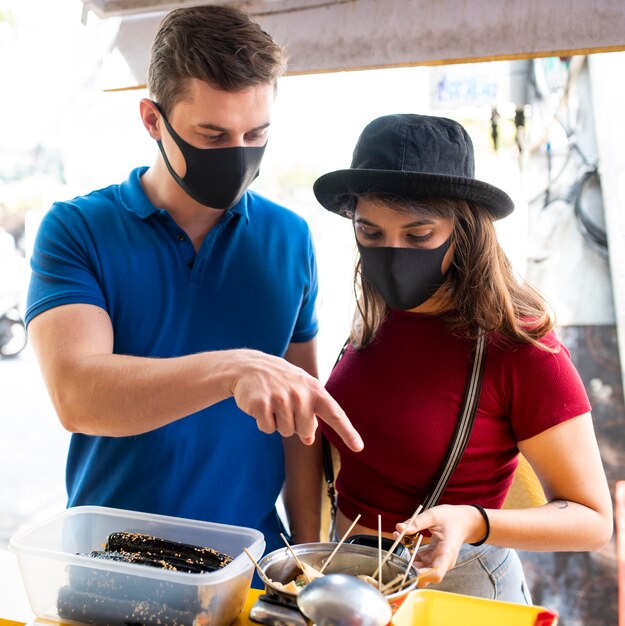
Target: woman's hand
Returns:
[[450, 527]]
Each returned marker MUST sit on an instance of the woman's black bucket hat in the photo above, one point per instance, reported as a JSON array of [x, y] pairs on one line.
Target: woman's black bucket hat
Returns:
[[415, 156]]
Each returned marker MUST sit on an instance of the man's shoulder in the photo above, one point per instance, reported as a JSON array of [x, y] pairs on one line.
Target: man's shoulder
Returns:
[[103, 198], [262, 208], [270, 220], [100, 202]]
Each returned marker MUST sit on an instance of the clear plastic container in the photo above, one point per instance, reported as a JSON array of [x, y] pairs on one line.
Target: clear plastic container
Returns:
[[98, 591], [427, 607]]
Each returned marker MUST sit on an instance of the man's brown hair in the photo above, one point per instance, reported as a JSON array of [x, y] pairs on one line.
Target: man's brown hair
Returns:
[[220, 45]]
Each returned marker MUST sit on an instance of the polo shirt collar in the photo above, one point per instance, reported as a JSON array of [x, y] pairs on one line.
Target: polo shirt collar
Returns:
[[240, 208], [136, 200], [133, 196]]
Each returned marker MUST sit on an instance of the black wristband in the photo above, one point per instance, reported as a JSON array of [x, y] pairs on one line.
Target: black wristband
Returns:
[[485, 516]]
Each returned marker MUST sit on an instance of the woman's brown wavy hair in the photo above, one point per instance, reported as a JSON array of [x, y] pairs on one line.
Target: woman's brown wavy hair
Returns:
[[485, 294]]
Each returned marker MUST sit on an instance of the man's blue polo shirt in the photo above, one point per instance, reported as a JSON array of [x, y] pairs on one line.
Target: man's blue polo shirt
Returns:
[[252, 284]]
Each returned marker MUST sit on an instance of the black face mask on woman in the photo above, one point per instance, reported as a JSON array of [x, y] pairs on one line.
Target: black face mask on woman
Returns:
[[215, 177], [404, 277]]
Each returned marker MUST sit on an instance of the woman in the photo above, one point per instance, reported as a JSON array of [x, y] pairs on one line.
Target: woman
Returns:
[[436, 293]]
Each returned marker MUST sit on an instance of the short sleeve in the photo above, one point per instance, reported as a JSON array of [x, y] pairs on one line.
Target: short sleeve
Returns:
[[544, 388], [307, 325], [64, 264]]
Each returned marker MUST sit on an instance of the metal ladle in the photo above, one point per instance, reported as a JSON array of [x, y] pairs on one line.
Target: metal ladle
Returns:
[[343, 600]]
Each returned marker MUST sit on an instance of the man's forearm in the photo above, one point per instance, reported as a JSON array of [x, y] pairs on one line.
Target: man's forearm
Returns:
[[115, 395], [98, 392], [303, 464], [302, 489]]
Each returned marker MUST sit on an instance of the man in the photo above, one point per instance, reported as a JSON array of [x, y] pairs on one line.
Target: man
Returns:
[[160, 309]]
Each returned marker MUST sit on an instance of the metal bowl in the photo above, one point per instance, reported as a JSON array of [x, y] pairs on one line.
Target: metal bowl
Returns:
[[280, 566]]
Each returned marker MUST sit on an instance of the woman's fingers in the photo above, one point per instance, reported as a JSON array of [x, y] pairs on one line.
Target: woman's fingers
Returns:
[[446, 531], [434, 563], [421, 522], [428, 576]]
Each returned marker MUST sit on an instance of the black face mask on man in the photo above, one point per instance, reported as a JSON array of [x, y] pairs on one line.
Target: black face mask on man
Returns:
[[215, 177], [404, 277]]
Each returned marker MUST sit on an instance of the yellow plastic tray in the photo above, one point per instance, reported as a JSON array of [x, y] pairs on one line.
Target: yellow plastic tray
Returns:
[[425, 607]]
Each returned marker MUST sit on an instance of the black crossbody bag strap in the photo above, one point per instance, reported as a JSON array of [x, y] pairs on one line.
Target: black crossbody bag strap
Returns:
[[458, 443], [328, 471], [328, 467], [464, 425]]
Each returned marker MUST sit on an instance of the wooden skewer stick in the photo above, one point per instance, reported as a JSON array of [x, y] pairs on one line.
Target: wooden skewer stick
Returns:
[[412, 558], [392, 583], [397, 586], [380, 552], [258, 567], [299, 563], [338, 545], [406, 583], [401, 536]]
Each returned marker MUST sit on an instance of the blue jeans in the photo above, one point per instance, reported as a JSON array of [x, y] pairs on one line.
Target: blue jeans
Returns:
[[487, 572]]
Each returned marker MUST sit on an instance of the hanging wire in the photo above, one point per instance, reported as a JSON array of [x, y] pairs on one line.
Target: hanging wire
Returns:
[[594, 234]]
